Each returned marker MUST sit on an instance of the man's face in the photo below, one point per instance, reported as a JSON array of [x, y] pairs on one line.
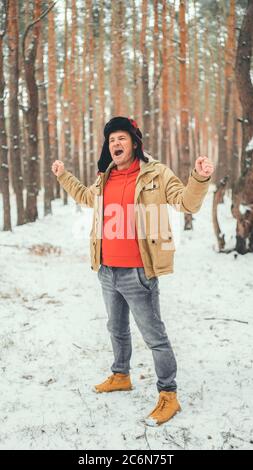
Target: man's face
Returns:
[[121, 148]]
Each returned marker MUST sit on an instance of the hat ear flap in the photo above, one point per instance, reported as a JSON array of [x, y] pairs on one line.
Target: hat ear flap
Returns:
[[105, 158], [139, 151]]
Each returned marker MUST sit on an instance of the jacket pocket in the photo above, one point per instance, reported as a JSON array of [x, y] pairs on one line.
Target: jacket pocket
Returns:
[[162, 253], [165, 257], [153, 185]]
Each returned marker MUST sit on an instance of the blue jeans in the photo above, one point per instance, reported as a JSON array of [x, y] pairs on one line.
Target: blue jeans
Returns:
[[126, 289]]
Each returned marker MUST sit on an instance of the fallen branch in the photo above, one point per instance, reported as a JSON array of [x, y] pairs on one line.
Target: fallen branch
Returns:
[[146, 438], [227, 319], [171, 439], [76, 345], [89, 410], [12, 246]]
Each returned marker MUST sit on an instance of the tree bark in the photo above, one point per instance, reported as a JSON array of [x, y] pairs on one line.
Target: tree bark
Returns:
[[84, 99], [223, 161], [74, 103], [14, 128], [118, 97], [4, 168], [91, 85], [166, 148], [101, 75], [156, 101], [244, 84], [137, 85], [65, 130], [243, 191], [185, 164], [48, 190], [31, 114], [52, 99], [145, 79]]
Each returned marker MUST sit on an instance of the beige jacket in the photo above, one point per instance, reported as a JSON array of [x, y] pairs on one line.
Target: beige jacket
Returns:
[[156, 186]]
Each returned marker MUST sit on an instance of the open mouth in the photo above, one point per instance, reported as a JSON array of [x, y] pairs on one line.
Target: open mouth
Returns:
[[118, 152]]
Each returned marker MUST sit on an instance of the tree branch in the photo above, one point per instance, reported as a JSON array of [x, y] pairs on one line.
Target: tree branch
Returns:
[[33, 23]]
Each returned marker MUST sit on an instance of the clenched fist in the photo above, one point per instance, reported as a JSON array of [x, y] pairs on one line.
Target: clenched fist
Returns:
[[58, 168], [204, 166]]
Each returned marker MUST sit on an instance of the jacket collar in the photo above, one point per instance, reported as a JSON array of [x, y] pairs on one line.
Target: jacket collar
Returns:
[[145, 168]]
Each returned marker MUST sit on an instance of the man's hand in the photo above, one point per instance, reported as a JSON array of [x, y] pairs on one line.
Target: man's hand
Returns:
[[58, 168], [204, 166]]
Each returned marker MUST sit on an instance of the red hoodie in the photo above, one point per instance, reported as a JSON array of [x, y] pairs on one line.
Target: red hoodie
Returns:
[[117, 249]]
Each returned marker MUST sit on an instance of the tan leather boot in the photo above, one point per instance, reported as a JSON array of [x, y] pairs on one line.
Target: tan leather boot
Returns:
[[114, 383], [166, 408]]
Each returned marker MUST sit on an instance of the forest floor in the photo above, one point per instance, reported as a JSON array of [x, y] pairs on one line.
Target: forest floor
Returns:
[[54, 344]]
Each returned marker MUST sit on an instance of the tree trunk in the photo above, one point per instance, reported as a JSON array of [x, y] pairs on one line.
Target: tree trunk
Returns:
[[74, 103], [101, 75], [244, 84], [218, 89], [156, 104], [66, 147], [84, 98], [137, 86], [206, 113], [145, 79], [31, 114], [91, 85], [243, 191], [45, 130], [235, 139], [14, 128], [223, 163], [165, 150], [218, 199], [4, 169], [173, 92], [52, 99], [196, 90], [184, 108], [118, 104]]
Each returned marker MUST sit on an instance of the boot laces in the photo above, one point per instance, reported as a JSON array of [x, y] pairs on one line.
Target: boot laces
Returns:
[[109, 379], [162, 402]]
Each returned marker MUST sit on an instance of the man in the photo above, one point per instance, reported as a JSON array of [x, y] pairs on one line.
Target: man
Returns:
[[130, 248]]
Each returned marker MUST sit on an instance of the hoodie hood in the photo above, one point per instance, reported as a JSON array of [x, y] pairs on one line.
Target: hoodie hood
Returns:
[[135, 166]]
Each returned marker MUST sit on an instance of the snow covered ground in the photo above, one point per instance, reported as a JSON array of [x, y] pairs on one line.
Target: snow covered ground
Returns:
[[54, 345]]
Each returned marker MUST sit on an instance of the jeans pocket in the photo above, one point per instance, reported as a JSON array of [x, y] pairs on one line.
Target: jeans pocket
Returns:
[[143, 281], [99, 271]]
